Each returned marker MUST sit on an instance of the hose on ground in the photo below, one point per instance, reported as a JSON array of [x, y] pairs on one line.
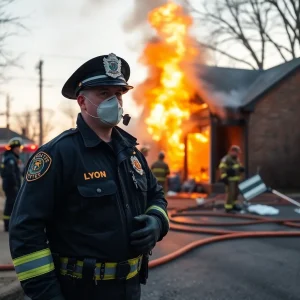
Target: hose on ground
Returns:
[[220, 234]]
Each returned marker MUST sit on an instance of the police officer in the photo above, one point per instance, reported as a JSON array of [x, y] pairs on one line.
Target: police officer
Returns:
[[11, 177], [90, 210], [231, 170], [161, 170]]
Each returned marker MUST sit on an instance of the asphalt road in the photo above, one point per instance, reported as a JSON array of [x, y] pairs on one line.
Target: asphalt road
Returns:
[[248, 269], [254, 269]]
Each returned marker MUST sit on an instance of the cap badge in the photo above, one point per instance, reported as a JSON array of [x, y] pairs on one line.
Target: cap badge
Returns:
[[112, 66]]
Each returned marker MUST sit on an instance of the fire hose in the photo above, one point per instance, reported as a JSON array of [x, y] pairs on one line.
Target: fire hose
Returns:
[[219, 234]]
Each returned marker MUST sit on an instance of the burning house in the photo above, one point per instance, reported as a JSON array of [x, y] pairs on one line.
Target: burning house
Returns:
[[256, 109], [195, 112]]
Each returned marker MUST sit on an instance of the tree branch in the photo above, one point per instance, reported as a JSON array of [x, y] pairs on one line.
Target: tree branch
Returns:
[[210, 47], [252, 24]]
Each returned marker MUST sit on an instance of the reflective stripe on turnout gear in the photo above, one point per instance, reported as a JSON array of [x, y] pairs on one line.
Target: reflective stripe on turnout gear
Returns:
[[159, 170], [163, 179], [33, 264], [223, 165], [6, 217], [157, 208], [235, 178], [228, 206], [109, 269]]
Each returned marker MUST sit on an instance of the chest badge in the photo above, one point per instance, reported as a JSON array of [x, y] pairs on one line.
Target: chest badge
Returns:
[[136, 165]]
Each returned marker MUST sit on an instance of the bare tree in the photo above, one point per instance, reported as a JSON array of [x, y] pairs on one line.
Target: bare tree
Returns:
[[289, 12], [9, 26], [27, 123], [255, 28], [71, 111]]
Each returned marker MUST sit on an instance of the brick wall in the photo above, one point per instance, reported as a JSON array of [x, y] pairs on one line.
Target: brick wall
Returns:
[[274, 135]]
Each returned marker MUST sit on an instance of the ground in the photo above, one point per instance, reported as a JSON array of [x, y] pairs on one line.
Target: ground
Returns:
[[254, 269]]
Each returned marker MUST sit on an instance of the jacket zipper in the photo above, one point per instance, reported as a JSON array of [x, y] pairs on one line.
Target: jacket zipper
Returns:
[[124, 207]]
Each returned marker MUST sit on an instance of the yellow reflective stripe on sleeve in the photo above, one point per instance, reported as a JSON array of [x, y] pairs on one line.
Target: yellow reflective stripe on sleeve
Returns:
[[235, 178], [236, 166], [155, 207], [32, 256], [161, 178], [158, 170], [34, 264], [6, 217], [223, 175], [35, 272], [222, 165]]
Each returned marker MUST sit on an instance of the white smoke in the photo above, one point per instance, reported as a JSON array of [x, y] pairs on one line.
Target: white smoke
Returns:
[[231, 99]]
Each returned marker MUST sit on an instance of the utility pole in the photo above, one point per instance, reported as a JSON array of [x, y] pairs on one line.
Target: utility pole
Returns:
[[7, 111], [40, 69]]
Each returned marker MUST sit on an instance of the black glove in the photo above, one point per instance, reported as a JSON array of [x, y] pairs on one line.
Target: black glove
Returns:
[[144, 239], [230, 172], [242, 169]]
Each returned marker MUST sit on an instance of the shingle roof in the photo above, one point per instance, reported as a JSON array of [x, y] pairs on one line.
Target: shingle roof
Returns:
[[268, 79], [246, 86], [228, 79], [6, 134]]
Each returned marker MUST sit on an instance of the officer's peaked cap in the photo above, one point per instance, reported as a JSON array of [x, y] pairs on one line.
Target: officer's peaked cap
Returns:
[[101, 70]]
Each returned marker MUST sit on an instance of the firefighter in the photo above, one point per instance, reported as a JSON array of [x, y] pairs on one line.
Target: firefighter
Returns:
[[11, 177], [231, 171], [90, 210], [161, 170], [145, 150]]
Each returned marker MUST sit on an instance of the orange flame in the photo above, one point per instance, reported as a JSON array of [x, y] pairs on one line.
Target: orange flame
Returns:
[[169, 100]]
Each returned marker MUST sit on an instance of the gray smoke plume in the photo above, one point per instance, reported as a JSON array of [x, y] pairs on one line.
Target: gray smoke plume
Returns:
[[91, 7], [139, 15]]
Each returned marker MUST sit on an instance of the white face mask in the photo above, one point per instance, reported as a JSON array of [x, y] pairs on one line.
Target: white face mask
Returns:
[[109, 111]]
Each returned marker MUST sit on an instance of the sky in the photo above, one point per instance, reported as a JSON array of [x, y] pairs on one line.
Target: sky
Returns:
[[65, 34]]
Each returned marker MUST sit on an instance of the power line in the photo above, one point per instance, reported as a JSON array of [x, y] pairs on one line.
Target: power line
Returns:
[[40, 69]]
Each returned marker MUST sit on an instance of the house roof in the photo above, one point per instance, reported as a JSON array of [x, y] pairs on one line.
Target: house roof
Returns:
[[6, 134], [245, 86], [228, 79]]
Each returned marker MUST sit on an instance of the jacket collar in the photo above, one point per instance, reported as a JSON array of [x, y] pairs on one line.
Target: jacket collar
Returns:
[[91, 139]]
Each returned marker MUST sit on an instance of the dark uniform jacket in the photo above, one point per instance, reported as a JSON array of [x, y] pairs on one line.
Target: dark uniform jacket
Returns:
[[79, 198], [10, 171]]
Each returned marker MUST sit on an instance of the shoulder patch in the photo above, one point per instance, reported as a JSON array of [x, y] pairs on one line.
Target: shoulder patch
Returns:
[[38, 166]]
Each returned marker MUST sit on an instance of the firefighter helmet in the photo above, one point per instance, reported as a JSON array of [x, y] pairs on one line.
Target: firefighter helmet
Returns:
[[161, 155], [15, 142], [235, 148]]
